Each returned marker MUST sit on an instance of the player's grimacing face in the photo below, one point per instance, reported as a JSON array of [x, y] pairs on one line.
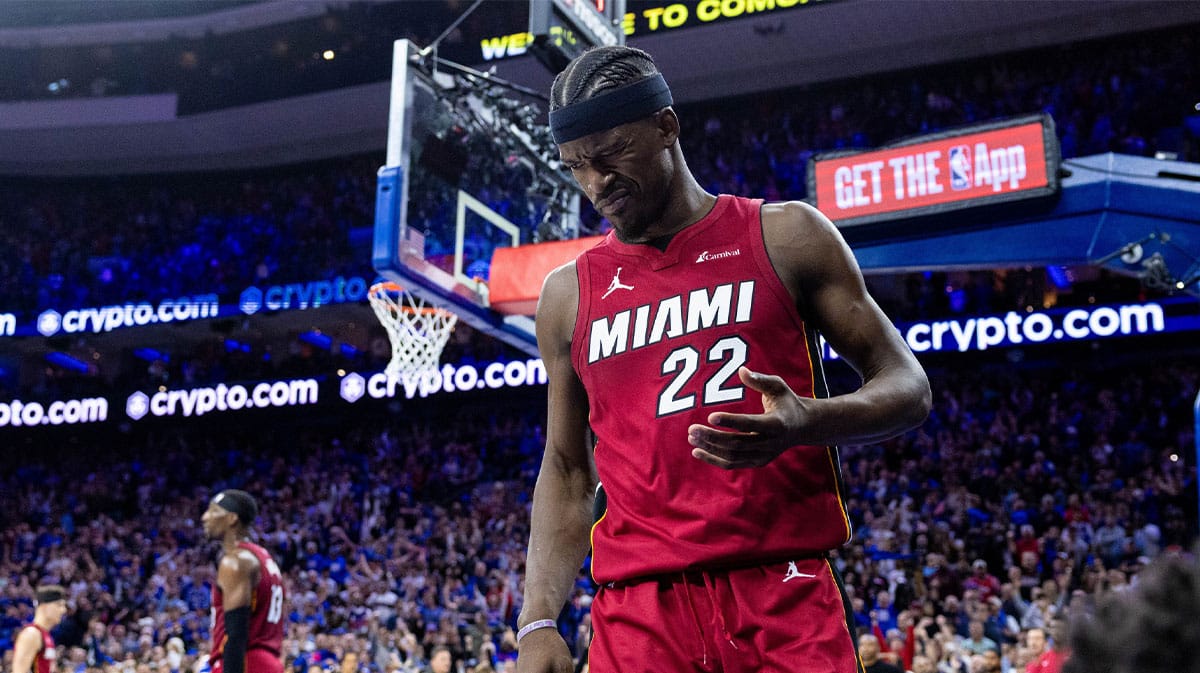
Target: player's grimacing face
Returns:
[[621, 171]]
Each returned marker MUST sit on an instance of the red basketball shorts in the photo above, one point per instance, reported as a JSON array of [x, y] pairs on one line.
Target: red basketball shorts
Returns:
[[778, 618], [257, 661]]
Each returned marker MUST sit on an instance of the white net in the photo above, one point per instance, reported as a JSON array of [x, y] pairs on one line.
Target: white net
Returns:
[[418, 332]]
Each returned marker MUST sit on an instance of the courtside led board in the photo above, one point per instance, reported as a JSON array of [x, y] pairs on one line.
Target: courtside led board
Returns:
[[962, 168]]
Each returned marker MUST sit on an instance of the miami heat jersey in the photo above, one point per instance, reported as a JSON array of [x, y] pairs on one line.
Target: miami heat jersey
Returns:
[[266, 610], [658, 341], [47, 657]]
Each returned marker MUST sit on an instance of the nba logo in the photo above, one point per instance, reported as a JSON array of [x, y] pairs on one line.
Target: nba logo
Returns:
[[960, 167]]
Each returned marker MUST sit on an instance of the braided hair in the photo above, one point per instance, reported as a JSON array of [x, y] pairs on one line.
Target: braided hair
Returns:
[[598, 70]]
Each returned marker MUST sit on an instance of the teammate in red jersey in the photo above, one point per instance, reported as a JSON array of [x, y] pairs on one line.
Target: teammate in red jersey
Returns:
[[34, 651], [687, 340], [248, 599]]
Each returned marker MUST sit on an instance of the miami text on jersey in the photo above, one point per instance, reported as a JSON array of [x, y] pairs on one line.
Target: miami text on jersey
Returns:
[[670, 318]]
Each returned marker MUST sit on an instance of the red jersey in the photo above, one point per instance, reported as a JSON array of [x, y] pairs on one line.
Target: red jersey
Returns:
[[46, 658], [658, 340], [266, 610]]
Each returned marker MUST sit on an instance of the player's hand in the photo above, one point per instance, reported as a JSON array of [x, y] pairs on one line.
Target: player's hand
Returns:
[[752, 440], [544, 651]]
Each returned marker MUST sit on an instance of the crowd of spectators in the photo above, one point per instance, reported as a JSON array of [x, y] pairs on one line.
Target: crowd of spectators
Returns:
[[391, 536], [1027, 494], [1023, 496], [67, 244], [88, 242]]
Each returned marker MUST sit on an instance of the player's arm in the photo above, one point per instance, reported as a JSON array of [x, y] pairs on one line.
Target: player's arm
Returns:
[[235, 576], [820, 272], [562, 498], [29, 643]]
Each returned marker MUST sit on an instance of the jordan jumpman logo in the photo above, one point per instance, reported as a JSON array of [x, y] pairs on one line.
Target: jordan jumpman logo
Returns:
[[793, 572], [616, 284]]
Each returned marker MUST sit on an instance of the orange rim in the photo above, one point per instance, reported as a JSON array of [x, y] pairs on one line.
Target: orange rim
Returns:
[[386, 286], [392, 288]]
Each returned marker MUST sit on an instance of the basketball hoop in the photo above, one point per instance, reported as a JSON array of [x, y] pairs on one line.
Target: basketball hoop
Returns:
[[418, 332]]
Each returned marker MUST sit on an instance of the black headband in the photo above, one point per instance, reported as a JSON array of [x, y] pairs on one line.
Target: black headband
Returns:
[[240, 503], [610, 109], [49, 594]]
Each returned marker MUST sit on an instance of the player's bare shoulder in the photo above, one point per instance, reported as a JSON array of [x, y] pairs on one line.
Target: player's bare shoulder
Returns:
[[30, 637], [558, 304], [561, 283], [240, 563], [795, 223], [800, 240]]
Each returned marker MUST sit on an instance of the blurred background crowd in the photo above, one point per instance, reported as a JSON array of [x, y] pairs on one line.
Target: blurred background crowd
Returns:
[[1045, 479], [1029, 491], [67, 243]]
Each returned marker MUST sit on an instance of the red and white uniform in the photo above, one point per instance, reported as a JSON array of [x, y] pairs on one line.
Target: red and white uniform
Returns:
[[47, 657], [702, 568], [659, 337], [266, 618]]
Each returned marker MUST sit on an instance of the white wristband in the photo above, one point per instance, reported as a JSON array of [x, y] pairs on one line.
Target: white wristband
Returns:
[[534, 626]]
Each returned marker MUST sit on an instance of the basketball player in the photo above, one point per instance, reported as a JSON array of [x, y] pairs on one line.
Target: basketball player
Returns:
[[248, 598], [34, 651], [687, 341]]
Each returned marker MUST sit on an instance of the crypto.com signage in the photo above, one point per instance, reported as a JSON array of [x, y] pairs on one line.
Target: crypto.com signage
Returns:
[[102, 319], [954, 335]]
